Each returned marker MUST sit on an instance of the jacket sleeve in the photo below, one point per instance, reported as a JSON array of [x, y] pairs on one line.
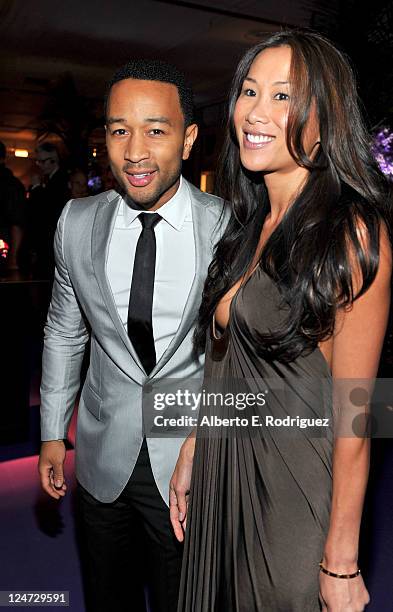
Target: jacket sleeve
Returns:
[[65, 339]]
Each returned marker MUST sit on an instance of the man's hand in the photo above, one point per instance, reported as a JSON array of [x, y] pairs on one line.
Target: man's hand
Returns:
[[50, 467], [179, 488]]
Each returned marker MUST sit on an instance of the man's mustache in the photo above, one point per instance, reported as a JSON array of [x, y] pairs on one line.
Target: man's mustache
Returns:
[[137, 168]]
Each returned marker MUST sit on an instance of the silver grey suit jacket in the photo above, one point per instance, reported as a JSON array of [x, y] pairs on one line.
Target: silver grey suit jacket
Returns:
[[109, 429]]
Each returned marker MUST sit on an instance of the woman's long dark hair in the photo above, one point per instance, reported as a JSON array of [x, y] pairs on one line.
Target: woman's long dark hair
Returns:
[[310, 254]]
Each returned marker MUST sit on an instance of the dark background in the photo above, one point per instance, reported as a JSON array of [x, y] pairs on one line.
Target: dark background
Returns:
[[57, 57]]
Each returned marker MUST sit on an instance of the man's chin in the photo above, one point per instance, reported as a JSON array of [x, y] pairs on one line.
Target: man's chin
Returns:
[[142, 197], [149, 196]]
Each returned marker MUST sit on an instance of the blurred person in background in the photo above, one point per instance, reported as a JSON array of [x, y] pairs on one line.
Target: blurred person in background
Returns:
[[12, 211], [78, 184], [48, 195]]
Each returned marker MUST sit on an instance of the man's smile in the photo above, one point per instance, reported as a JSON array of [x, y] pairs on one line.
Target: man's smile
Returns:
[[140, 178]]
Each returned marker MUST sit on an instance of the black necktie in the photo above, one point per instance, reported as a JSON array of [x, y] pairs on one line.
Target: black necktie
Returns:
[[139, 322]]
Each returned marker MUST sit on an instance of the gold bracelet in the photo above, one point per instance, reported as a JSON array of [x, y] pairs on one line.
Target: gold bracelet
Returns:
[[334, 575]]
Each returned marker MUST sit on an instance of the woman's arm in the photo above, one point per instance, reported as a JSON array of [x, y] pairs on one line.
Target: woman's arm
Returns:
[[179, 486], [356, 349]]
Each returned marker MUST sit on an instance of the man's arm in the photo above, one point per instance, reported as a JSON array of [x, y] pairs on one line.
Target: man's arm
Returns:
[[64, 345]]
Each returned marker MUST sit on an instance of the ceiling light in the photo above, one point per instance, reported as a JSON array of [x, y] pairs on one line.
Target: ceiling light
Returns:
[[21, 153]]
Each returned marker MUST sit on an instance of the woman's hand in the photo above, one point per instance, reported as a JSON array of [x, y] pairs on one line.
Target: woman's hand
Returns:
[[179, 488], [340, 595]]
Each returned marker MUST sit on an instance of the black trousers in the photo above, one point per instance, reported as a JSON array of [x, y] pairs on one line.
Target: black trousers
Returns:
[[128, 547]]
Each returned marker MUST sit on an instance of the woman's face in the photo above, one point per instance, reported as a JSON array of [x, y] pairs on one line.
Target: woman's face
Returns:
[[261, 114]]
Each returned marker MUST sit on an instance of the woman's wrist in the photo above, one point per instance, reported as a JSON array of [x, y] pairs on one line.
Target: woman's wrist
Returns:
[[341, 548], [188, 448], [340, 563], [340, 575]]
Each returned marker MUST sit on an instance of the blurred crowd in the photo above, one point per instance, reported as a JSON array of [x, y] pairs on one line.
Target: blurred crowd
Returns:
[[28, 218]]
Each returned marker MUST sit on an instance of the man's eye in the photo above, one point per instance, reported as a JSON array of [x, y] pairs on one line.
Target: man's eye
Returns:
[[281, 96], [156, 132], [119, 132]]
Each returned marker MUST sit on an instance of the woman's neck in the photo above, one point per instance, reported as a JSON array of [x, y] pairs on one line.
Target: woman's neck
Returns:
[[283, 188]]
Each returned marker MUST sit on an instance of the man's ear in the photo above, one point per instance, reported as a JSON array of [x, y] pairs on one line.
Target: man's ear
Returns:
[[189, 138]]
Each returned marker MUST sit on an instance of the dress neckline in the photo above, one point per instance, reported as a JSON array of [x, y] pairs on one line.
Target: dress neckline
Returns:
[[231, 305], [225, 331]]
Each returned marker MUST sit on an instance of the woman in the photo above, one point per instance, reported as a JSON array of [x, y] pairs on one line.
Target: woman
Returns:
[[297, 296]]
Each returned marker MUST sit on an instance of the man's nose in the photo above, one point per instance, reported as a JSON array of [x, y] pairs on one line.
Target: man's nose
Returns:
[[136, 149]]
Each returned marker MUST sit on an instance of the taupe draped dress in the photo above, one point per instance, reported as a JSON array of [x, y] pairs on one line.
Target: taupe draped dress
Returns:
[[260, 496]]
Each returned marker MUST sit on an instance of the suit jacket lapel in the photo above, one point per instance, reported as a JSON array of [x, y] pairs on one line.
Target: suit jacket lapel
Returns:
[[102, 231], [203, 226]]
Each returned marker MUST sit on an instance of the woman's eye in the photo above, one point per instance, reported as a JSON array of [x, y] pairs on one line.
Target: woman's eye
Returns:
[[249, 92], [281, 96]]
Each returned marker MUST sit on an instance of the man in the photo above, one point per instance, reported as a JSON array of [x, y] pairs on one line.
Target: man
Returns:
[[134, 280], [46, 202], [55, 177], [12, 211]]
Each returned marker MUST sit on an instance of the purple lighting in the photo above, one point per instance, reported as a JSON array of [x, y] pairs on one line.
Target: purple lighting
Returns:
[[95, 183], [382, 149]]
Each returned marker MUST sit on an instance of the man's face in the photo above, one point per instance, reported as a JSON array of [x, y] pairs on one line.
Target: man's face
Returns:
[[47, 162], [146, 140]]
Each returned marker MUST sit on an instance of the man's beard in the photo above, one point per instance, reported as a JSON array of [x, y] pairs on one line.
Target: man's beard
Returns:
[[150, 200]]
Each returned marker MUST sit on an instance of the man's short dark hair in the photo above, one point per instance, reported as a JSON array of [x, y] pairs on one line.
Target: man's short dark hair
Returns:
[[156, 70]]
